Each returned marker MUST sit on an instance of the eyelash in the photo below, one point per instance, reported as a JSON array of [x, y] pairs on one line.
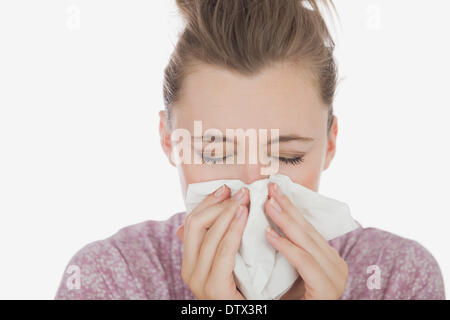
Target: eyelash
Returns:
[[212, 160], [293, 161]]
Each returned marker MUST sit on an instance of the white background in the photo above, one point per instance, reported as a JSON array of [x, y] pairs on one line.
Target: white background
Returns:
[[80, 91]]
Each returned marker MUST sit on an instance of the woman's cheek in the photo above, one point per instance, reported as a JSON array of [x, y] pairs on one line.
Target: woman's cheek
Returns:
[[311, 180], [306, 173], [194, 173]]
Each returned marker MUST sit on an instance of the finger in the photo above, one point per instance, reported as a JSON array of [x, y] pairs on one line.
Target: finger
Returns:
[[316, 279], [300, 237], [197, 222], [211, 242], [213, 198], [217, 196], [197, 225], [215, 233], [286, 204], [180, 229], [224, 258]]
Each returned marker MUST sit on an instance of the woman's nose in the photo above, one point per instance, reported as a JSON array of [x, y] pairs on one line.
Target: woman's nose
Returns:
[[249, 173]]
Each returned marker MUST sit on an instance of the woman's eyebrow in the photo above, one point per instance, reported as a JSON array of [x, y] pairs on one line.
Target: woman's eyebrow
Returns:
[[285, 138], [291, 137]]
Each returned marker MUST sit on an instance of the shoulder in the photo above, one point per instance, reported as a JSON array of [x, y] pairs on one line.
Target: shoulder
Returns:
[[130, 264], [384, 265]]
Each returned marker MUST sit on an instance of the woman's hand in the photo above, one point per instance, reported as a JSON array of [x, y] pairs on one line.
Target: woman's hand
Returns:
[[323, 273], [211, 237]]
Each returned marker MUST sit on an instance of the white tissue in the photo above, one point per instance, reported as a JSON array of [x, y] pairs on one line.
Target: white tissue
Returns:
[[261, 272]]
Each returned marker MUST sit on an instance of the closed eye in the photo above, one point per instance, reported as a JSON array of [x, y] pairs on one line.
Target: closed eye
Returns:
[[287, 160], [294, 160], [214, 160]]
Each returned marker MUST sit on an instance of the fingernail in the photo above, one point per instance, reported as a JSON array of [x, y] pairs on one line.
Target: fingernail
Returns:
[[272, 232], [238, 195], [219, 191], [274, 204]]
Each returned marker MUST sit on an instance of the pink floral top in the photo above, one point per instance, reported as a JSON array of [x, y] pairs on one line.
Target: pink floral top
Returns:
[[143, 261]]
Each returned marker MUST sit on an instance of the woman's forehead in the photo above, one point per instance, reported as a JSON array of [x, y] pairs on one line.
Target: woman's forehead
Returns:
[[287, 118], [278, 97], [278, 84]]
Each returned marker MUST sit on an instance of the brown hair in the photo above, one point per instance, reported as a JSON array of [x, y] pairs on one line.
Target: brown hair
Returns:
[[246, 36]]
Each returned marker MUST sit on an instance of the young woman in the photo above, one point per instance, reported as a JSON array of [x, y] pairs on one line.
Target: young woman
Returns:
[[251, 64]]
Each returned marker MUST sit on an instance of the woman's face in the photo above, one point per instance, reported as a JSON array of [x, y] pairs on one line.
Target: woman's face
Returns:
[[282, 97]]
